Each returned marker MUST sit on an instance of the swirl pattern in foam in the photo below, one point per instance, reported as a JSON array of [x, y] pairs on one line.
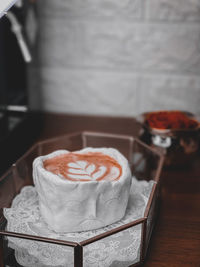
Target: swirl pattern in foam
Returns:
[[82, 190], [93, 166]]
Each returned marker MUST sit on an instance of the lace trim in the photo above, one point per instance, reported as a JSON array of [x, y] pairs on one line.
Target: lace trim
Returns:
[[24, 217]]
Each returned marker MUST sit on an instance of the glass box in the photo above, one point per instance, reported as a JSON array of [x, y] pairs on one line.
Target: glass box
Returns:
[[146, 164]]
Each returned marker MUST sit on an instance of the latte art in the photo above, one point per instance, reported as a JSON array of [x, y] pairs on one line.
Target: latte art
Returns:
[[72, 197], [93, 166]]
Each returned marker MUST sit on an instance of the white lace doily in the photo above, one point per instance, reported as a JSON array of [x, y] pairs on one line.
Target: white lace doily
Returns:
[[24, 217]]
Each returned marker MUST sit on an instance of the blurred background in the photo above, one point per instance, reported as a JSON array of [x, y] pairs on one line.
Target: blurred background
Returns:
[[116, 57], [105, 57]]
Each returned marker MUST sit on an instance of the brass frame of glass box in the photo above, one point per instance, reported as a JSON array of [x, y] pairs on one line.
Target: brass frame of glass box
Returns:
[[20, 174]]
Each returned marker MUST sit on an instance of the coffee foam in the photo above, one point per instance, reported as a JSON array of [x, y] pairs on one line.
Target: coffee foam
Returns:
[[91, 166]]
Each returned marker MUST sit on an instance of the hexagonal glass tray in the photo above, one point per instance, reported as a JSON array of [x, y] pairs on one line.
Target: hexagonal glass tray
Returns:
[[145, 163]]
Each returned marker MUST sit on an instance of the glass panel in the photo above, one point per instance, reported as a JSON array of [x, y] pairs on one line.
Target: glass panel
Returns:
[[145, 161], [124, 145], [23, 217], [151, 216], [20, 252], [7, 190], [22, 171], [118, 250], [68, 142]]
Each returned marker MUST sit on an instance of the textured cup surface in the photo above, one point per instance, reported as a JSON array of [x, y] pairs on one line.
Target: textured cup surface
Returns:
[[77, 204]]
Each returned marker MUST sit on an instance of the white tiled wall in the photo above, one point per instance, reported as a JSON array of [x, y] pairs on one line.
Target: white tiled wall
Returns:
[[117, 57]]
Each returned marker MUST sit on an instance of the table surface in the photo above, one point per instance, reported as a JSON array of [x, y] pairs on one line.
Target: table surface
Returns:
[[176, 237]]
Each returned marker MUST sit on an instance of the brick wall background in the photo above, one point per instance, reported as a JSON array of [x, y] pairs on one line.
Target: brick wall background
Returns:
[[116, 57]]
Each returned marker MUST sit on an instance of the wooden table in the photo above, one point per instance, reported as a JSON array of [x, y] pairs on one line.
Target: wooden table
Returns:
[[176, 237]]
